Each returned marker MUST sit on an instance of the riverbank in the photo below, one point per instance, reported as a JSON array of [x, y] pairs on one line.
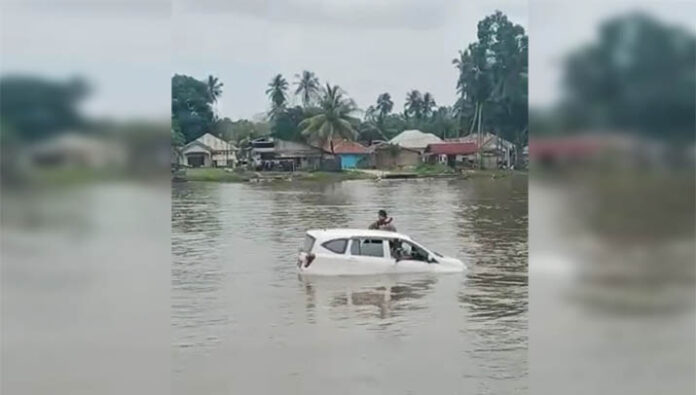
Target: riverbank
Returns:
[[426, 171]]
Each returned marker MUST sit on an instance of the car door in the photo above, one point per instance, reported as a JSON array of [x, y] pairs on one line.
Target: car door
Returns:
[[369, 255], [415, 260]]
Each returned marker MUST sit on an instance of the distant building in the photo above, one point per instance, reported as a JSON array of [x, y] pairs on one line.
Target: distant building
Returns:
[[350, 153], [414, 140], [268, 153], [209, 151], [389, 156], [495, 150], [453, 154], [72, 149]]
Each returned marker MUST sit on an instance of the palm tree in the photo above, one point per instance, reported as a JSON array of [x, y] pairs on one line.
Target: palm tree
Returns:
[[276, 91], [214, 90], [332, 118], [414, 104], [307, 87], [384, 105], [428, 105]]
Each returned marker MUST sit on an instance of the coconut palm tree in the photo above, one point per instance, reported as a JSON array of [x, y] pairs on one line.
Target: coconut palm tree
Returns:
[[277, 92], [384, 105], [307, 87], [428, 105], [414, 104], [333, 118], [214, 90]]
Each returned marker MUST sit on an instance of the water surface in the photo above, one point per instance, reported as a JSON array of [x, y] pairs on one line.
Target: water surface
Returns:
[[244, 322]]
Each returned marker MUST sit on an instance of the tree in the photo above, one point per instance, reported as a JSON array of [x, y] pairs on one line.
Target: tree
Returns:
[[277, 92], [36, 108], [214, 89], [191, 107], [384, 105], [307, 87], [427, 105], [285, 124], [333, 118], [414, 104], [493, 75], [240, 130], [637, 76]]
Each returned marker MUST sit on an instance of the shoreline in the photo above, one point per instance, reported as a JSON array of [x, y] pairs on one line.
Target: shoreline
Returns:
[[228, 176]]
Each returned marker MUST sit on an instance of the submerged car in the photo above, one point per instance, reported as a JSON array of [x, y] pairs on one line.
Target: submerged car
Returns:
[[360, 251]]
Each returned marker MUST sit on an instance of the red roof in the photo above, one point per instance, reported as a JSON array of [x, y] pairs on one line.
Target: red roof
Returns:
[[346, 147], [579, 146], [451, 148]]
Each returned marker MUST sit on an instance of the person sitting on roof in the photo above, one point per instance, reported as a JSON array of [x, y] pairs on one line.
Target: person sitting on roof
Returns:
[[383, 222]]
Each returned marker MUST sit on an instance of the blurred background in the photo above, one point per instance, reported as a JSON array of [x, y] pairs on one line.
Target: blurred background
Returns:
[[611, 187], [85, 200], [84, 133]]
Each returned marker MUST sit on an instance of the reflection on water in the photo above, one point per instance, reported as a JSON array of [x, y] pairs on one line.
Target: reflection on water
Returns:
[[244, 322]]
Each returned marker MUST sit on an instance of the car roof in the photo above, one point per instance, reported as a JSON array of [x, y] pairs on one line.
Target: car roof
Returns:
[[326, 234]]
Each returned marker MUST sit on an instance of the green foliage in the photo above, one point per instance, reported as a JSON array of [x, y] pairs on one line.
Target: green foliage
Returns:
[[307, 87], [241, 130], [285, 124], [192, 114], [639, 76], [277, 92], [492, 83], [35, 108], [333, 118]]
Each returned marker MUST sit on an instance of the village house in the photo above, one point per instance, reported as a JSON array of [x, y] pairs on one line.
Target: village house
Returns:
[[268, 153], [76, 150], [209, 151], [414, 140], [389, 156], [350, 153], [495, 151], [452, 154]]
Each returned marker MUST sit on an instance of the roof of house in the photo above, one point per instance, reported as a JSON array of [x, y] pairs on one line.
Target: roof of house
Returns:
[[414, 139], [452, 148], [385, 146], [213, 143], [346, 147], [488, 140]]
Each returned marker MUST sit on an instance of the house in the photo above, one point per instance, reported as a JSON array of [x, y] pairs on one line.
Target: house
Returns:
[[350, 153], [414, 140], [209, 151], [269, 153], [452, 154], [75, 150], [389, 156], [495, 151]]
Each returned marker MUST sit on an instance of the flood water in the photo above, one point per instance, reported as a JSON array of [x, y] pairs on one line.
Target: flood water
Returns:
[[244, 322]]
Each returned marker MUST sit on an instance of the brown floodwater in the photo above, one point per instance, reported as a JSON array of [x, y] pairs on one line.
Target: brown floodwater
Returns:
[[243, 321]]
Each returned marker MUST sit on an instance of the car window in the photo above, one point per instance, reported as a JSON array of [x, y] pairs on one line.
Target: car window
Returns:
[[308, 243], [405, 250], [367, 247], [338, 246]]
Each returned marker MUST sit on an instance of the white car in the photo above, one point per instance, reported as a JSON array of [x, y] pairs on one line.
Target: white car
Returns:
[[361, 251]]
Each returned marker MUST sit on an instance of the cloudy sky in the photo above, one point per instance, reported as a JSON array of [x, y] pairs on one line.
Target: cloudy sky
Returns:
[[129, 49], [365, 46]]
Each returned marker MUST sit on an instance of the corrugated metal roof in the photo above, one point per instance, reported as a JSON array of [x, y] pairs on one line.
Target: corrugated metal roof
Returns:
[[451, 148], [414, 139]]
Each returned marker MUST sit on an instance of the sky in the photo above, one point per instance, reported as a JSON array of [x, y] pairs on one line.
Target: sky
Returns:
[[129, 49]]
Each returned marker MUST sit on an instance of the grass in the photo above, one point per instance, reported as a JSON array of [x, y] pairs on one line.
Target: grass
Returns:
[[212, 174]]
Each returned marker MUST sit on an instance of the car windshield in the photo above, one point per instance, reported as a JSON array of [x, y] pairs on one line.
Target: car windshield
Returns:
[[308, 243]]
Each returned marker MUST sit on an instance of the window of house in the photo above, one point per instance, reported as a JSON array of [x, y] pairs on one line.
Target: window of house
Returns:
[[367, 247], [338, 246]]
